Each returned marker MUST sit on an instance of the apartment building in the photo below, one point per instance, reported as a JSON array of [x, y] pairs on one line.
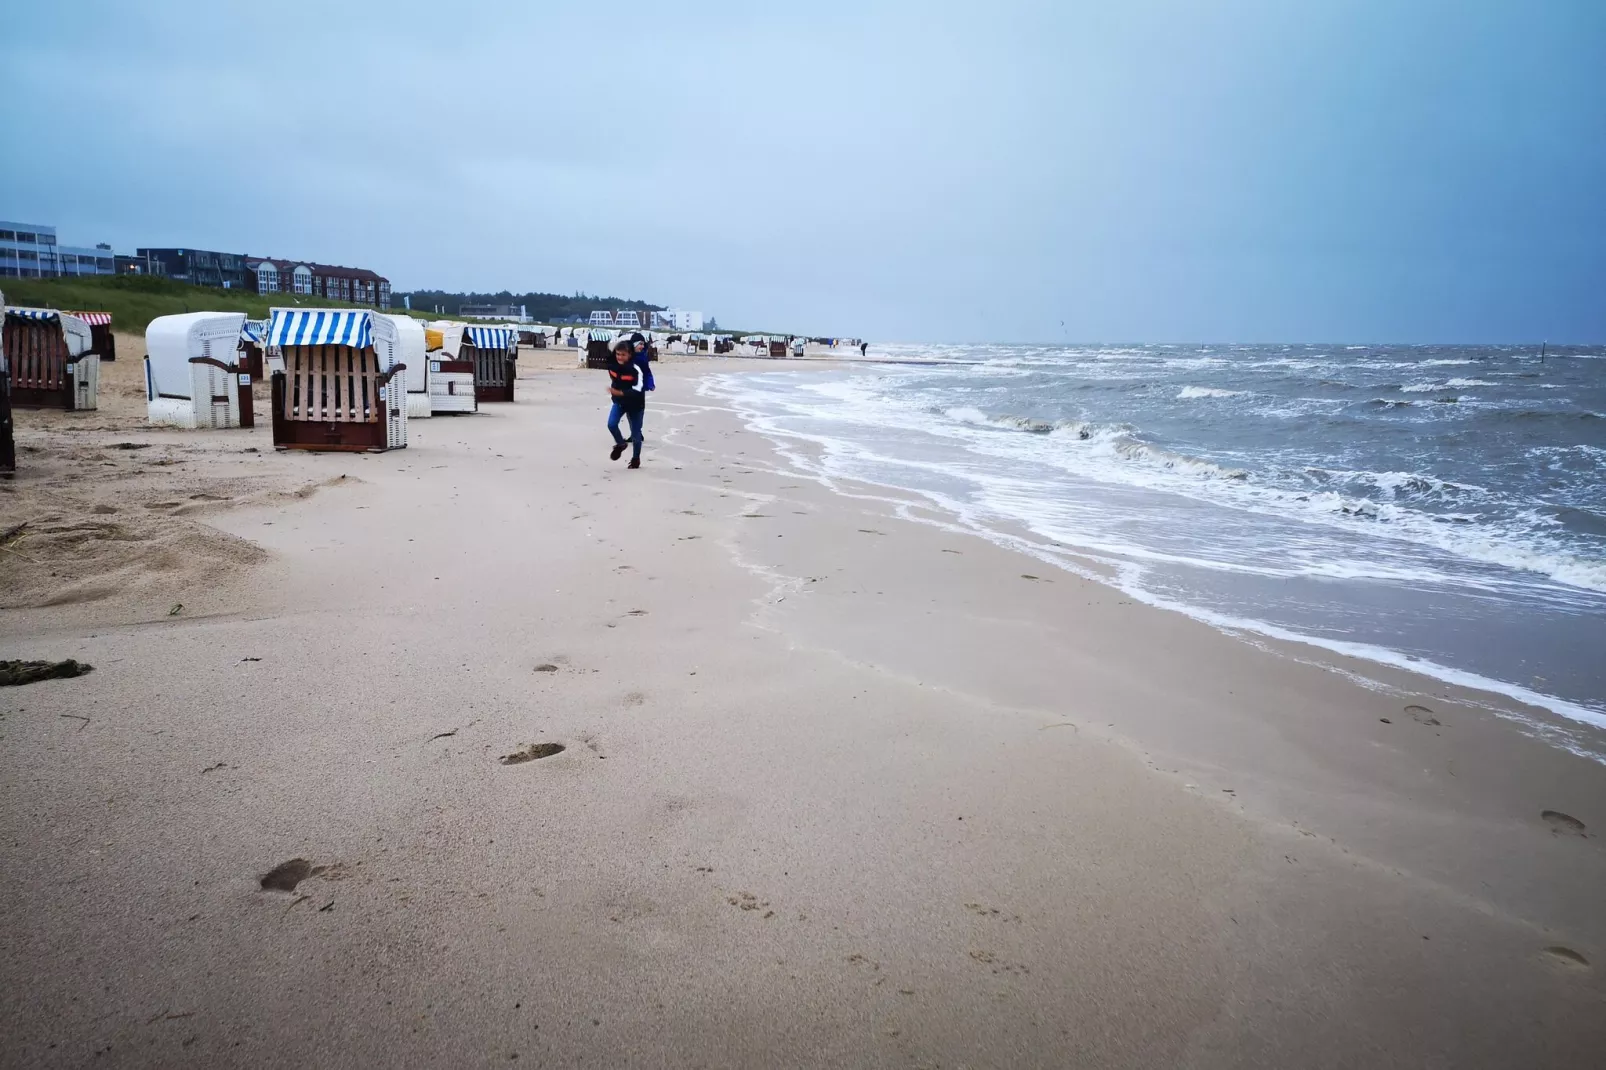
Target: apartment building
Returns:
[[307, 278], [199, 267], [30, 251]]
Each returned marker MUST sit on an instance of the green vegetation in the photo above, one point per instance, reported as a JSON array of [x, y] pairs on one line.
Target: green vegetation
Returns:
[[135, 300]]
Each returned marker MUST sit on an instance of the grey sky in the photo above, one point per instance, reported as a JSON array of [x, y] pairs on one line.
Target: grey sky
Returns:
[[1153, 171]]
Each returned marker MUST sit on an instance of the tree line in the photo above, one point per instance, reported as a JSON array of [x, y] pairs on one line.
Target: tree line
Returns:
[[544, 308]]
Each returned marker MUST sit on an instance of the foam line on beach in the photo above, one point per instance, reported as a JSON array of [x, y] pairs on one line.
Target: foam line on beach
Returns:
[[1116, 570]]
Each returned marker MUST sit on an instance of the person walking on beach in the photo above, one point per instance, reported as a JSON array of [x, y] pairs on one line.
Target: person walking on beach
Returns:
[[864, 349], [627, 385]]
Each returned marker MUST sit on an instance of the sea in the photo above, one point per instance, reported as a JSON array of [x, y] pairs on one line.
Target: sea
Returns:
[[1433, 507]]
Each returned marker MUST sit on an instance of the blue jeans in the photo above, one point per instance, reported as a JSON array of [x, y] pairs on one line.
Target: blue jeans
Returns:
[[634, 417]]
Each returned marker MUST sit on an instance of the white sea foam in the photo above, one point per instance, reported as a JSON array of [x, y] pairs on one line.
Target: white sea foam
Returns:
[[1207, 392], [1108, 555], [968, 415], [1114, 456]]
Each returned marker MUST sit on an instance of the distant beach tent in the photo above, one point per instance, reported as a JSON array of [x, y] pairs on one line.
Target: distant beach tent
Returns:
[[103, 344], [48, 354], [339, 389], [8, 444], [193, 371], [412, 342], [252, 333], [599, 348], [451, 379], [494, 351]]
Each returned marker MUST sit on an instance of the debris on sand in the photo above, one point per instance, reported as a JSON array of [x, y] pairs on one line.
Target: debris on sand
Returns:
[[16, 673]]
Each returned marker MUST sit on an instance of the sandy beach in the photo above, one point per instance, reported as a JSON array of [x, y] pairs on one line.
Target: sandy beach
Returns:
[[839, 786]]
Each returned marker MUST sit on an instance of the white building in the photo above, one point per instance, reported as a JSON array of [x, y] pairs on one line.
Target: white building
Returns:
[[686, 321]]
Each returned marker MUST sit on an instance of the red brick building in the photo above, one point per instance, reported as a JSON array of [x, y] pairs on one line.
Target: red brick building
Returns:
[[306, 278]]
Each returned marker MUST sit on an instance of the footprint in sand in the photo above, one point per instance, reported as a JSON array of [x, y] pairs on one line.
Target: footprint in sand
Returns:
[[635, 698], [1560, 822], [531, 752], [546, 667], [286, 875], [749, 901], [1566, 956], [1422, 715]]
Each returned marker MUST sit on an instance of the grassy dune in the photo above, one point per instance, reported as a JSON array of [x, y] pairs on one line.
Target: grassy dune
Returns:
[[135, 300]]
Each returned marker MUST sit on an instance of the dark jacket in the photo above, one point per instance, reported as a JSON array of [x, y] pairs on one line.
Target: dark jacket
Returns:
[[644, 358], [631, 382]]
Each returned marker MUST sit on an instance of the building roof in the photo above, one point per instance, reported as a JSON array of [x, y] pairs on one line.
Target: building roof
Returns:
[[319, 269], [347, 272]]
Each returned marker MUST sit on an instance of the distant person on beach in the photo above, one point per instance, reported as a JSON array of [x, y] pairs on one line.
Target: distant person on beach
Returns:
[[627, 385], [864, 349], [643, 354]]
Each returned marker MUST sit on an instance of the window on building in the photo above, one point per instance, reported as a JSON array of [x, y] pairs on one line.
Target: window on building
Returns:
[[27, 254], [8, 235], [47, 239], [68, 258], [27, 236], [9, 272], [302, 281], [105, 263]]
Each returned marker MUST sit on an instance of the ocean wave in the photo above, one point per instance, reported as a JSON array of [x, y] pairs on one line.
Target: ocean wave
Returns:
[[1399, 508], [1555, 414], [1141, 452], [1409, 403], [968, 415], [1406, 485], [1111, 440], [1464, 383], [1208, 392]]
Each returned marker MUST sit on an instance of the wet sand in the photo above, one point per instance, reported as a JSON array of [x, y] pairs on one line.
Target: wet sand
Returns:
[[837, 787]]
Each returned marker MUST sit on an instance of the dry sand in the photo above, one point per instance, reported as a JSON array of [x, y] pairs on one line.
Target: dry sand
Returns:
[[837, 789]]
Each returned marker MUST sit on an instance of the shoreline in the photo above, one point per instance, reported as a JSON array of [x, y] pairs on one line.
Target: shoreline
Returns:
[[1565, 708], [840, 788]]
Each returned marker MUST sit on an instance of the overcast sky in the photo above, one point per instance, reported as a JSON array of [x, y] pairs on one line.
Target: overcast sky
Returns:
[[1125, 170]]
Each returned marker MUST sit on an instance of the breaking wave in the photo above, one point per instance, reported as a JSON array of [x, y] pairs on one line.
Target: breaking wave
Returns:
[[1189, 392]]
